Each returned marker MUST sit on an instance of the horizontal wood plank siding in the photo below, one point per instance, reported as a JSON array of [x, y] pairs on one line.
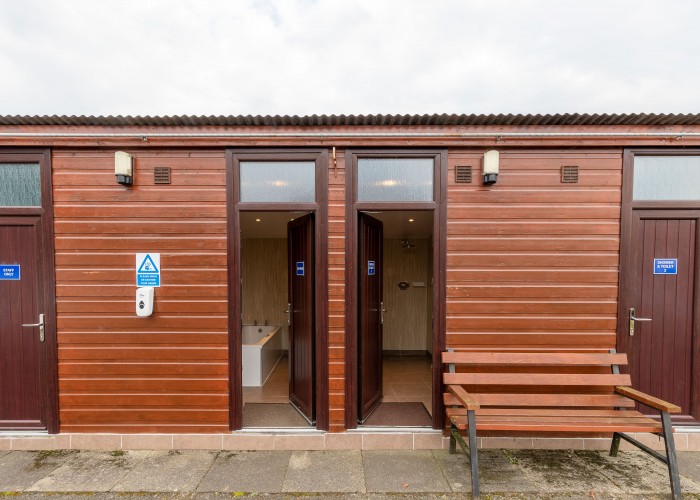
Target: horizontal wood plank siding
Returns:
[[532, 264], [118, 372], [336, 293]]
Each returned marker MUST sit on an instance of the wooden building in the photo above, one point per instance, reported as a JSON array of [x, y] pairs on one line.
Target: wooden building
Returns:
[[358, 247]]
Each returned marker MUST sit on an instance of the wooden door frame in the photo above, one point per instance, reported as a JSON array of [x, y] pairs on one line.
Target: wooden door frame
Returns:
[[48, 357], [629, 253], [320, 208], [352, 208]]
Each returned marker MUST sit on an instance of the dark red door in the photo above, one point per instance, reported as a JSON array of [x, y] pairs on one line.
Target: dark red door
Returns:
[[20, 303], [300, 238], [663, 346], [371, 316]]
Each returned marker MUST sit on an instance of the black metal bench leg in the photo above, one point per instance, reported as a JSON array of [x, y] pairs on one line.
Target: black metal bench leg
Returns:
[[671, 456], [615, 446], [473, 457], [453, 440]]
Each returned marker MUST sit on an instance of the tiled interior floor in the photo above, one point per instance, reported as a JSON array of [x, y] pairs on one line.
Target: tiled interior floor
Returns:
[[406, 379], [275, 389]]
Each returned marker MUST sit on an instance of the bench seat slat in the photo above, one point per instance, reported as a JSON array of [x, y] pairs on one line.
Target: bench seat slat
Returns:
[[540, 412], [534, 359], [579, 424], [537, 379], [579, 400]]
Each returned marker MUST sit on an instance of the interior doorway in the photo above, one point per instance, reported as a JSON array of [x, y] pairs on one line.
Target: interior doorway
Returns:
[[278, 333], [395, 324], [277, 275]]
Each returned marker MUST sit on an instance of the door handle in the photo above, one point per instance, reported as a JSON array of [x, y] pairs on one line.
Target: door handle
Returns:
[[40, 324], [289, 314], [633, 318], [381, 312]]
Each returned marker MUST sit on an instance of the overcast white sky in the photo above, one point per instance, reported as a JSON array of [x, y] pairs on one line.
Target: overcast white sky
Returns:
[[364, 56]]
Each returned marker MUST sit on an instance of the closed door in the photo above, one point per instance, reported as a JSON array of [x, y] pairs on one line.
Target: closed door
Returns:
[[371, 315], [300, 237], [659, 328], [20, 304]]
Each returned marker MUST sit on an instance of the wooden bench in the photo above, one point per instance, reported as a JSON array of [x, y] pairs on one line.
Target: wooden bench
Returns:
[[559, 393]]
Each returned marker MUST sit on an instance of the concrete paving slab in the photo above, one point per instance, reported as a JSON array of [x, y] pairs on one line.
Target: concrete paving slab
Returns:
[[247, 471], [20, 469], [689, 464], [168, 471], [325, 471], [403, 471], [635, 472], [561, 471], [90, 471], [455, 469], [499, 472]]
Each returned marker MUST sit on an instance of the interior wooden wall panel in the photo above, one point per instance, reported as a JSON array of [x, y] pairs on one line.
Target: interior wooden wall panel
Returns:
[[533, 263], [406, 325], [336, 292], [264, 280], [120, 373]]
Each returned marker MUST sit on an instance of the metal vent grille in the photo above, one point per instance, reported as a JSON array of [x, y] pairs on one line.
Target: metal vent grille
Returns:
[[161, 175], [463, 174], [569, 174]]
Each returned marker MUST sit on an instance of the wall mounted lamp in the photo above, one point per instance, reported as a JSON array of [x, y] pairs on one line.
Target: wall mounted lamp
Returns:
[[490, 167], [124, 168]]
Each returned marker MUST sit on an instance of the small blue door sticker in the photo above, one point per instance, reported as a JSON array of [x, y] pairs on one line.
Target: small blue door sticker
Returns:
[[371, 269], [300, 268], [665, 266], [9, 272]]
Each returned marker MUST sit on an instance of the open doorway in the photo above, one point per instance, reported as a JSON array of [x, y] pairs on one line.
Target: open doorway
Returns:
[[277, 306], [395, 328]]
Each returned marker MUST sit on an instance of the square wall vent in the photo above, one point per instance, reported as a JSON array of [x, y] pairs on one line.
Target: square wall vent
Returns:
[[463, 175], [569, 174], [161, 175]]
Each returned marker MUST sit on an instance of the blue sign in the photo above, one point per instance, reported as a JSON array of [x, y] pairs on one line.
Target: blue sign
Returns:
[[300, 268], [665, 266], [9, 272], [148, 280], [371, 269], [148, 269]]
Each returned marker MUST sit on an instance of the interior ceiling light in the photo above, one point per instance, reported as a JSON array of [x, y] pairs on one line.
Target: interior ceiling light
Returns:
[[257, 220], [410, 220]]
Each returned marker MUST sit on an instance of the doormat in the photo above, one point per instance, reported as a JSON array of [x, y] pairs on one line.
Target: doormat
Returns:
[[400, 415], [272, 415]]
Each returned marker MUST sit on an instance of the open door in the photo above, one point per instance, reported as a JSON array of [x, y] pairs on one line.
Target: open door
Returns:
[[371, 315], [301, 314]]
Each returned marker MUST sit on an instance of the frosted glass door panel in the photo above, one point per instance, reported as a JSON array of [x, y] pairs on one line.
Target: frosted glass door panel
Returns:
[[20, 185], [395, 179], [278, 181], [666, 178]]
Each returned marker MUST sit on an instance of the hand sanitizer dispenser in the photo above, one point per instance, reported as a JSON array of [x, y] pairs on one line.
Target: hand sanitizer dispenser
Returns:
[[144, 301]]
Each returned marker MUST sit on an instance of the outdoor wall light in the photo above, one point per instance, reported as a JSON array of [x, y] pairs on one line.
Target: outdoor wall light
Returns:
[[490, 166], [124, 168]]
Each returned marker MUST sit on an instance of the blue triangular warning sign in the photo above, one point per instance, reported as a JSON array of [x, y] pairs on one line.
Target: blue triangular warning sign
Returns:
[[148, 266]]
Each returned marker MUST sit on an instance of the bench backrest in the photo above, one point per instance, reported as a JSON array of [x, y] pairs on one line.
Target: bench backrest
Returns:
[[552, 379]]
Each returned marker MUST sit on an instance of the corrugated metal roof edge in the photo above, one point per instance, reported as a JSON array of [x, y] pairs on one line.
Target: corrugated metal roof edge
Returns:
[[567, 119]]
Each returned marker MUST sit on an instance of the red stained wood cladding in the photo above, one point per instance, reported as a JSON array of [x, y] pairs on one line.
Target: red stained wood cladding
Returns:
[[533, 264], [120, 373], [336, 292]]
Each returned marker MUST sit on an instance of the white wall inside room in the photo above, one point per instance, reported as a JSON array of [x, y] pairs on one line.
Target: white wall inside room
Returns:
[[264, 286], [407, 324]]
